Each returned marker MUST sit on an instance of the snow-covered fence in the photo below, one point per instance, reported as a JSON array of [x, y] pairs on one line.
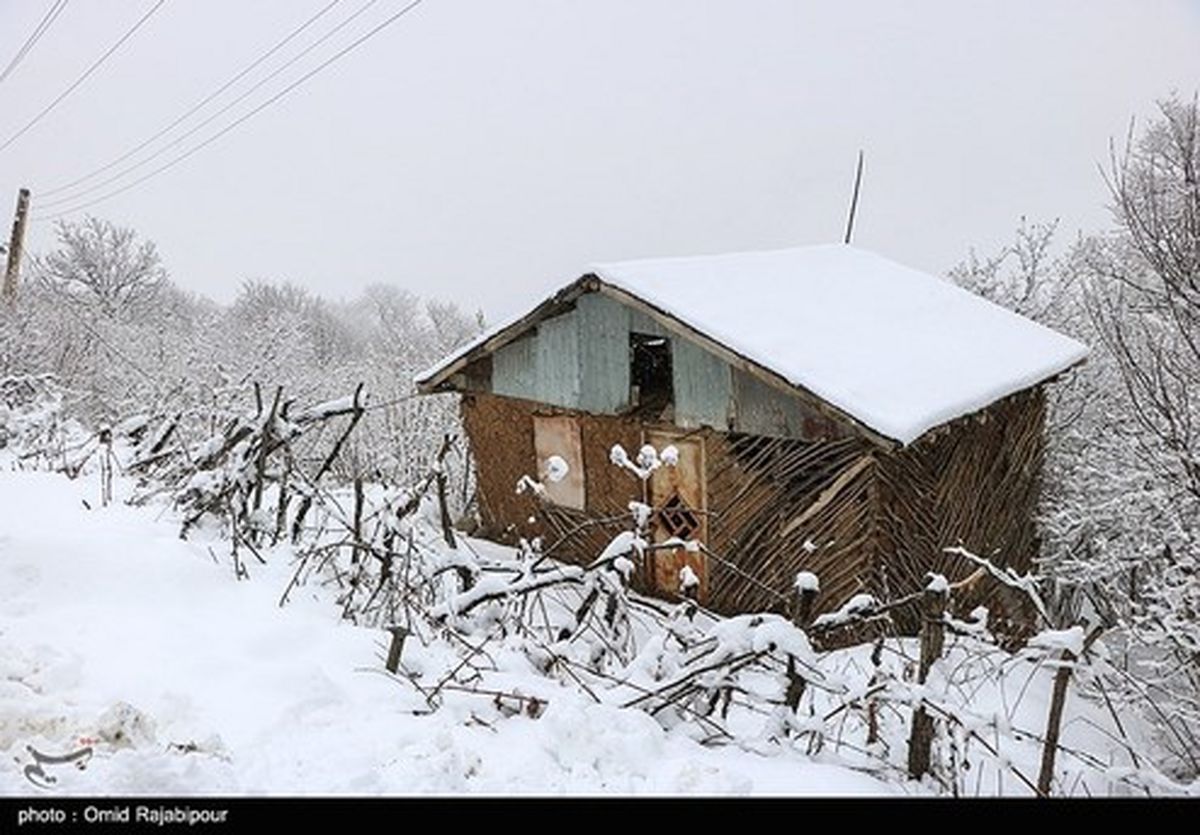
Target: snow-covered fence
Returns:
[[251, 463], [460, 619], [942, 708]]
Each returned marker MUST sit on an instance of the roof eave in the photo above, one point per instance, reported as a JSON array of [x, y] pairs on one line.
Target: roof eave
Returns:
[[938, 428], [437, 379]]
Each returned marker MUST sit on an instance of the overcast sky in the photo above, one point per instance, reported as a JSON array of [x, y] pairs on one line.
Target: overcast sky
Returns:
[[484, 151]]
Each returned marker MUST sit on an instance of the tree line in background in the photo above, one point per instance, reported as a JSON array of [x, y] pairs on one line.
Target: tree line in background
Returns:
[[101, 314]]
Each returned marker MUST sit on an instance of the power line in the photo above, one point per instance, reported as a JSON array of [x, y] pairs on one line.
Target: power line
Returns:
[[337, 55], [120, 175], [236, 78], [95, 65], [51, 15]]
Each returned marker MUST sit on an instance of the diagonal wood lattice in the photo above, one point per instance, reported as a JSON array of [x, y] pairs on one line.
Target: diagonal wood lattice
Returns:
[[862, 518]]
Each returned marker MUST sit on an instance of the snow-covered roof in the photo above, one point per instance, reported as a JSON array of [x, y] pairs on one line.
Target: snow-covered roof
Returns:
[[899, 350]]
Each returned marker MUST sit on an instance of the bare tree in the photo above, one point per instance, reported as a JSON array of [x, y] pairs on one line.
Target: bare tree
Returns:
[[102, 264], [1144, 301], [1147, 308]]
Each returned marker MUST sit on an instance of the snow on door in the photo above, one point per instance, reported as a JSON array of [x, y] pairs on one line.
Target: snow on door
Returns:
[[559, 453], [678, 497]]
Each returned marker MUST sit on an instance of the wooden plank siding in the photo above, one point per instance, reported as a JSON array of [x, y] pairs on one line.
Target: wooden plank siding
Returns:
[[557, 361]]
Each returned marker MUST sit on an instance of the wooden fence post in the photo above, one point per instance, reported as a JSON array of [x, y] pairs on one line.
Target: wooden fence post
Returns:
[[933, 641], [106, 459], [399, 633], [806, 587], [872, 702], [443, 506], [358, 514], [1058, 701]]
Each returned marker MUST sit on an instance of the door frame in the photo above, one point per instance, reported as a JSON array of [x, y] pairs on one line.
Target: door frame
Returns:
[[698, 560]]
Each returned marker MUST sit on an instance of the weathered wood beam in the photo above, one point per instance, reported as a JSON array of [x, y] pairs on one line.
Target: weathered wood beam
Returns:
[[828, 494]]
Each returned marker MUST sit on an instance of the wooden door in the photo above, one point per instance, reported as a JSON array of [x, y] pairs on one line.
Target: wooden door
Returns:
[[677, 494]]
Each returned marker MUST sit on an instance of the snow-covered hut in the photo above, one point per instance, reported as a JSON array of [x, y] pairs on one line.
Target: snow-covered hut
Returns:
[[832, 412]]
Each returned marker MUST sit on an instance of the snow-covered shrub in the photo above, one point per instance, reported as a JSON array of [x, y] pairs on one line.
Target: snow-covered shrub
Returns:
[[35, 430]]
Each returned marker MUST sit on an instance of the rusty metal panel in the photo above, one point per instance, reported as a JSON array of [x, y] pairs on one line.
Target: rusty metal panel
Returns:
[[679, 497], [760, 409], [559, 435]]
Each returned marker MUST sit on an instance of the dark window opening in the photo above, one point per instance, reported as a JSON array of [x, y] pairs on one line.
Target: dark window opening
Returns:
[[650, 379], [677, 519]]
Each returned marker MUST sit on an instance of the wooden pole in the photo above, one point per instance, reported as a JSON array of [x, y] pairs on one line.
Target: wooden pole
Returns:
[[854, 199], [358, 514], [395, 648], [933, 640], [872, 702], [806, 588], [105, 466], [16, 245], [447, 526], [1058, 701]]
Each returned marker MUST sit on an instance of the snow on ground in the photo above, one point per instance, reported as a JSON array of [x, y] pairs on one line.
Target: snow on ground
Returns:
[[116, 633]]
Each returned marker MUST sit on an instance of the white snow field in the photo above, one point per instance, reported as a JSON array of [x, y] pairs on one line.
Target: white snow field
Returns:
[[117, 634]]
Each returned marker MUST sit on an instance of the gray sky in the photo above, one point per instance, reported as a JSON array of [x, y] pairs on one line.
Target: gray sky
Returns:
[[485, 151]]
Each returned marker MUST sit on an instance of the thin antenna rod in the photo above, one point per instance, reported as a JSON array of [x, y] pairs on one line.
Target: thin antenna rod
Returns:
[[854, 199]]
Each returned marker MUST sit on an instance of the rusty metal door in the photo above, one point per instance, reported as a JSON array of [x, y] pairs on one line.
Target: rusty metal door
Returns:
[[558, 436], [679, 498]]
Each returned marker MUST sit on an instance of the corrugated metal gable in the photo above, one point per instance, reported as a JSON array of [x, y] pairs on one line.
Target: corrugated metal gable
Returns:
[[703, 385], [603, 354]]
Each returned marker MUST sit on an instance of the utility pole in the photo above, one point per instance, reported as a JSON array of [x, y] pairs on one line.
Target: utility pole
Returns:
[[16, 244], [854, 199]]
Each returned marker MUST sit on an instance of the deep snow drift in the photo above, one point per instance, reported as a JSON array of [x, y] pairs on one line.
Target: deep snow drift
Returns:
[[116, 634]]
